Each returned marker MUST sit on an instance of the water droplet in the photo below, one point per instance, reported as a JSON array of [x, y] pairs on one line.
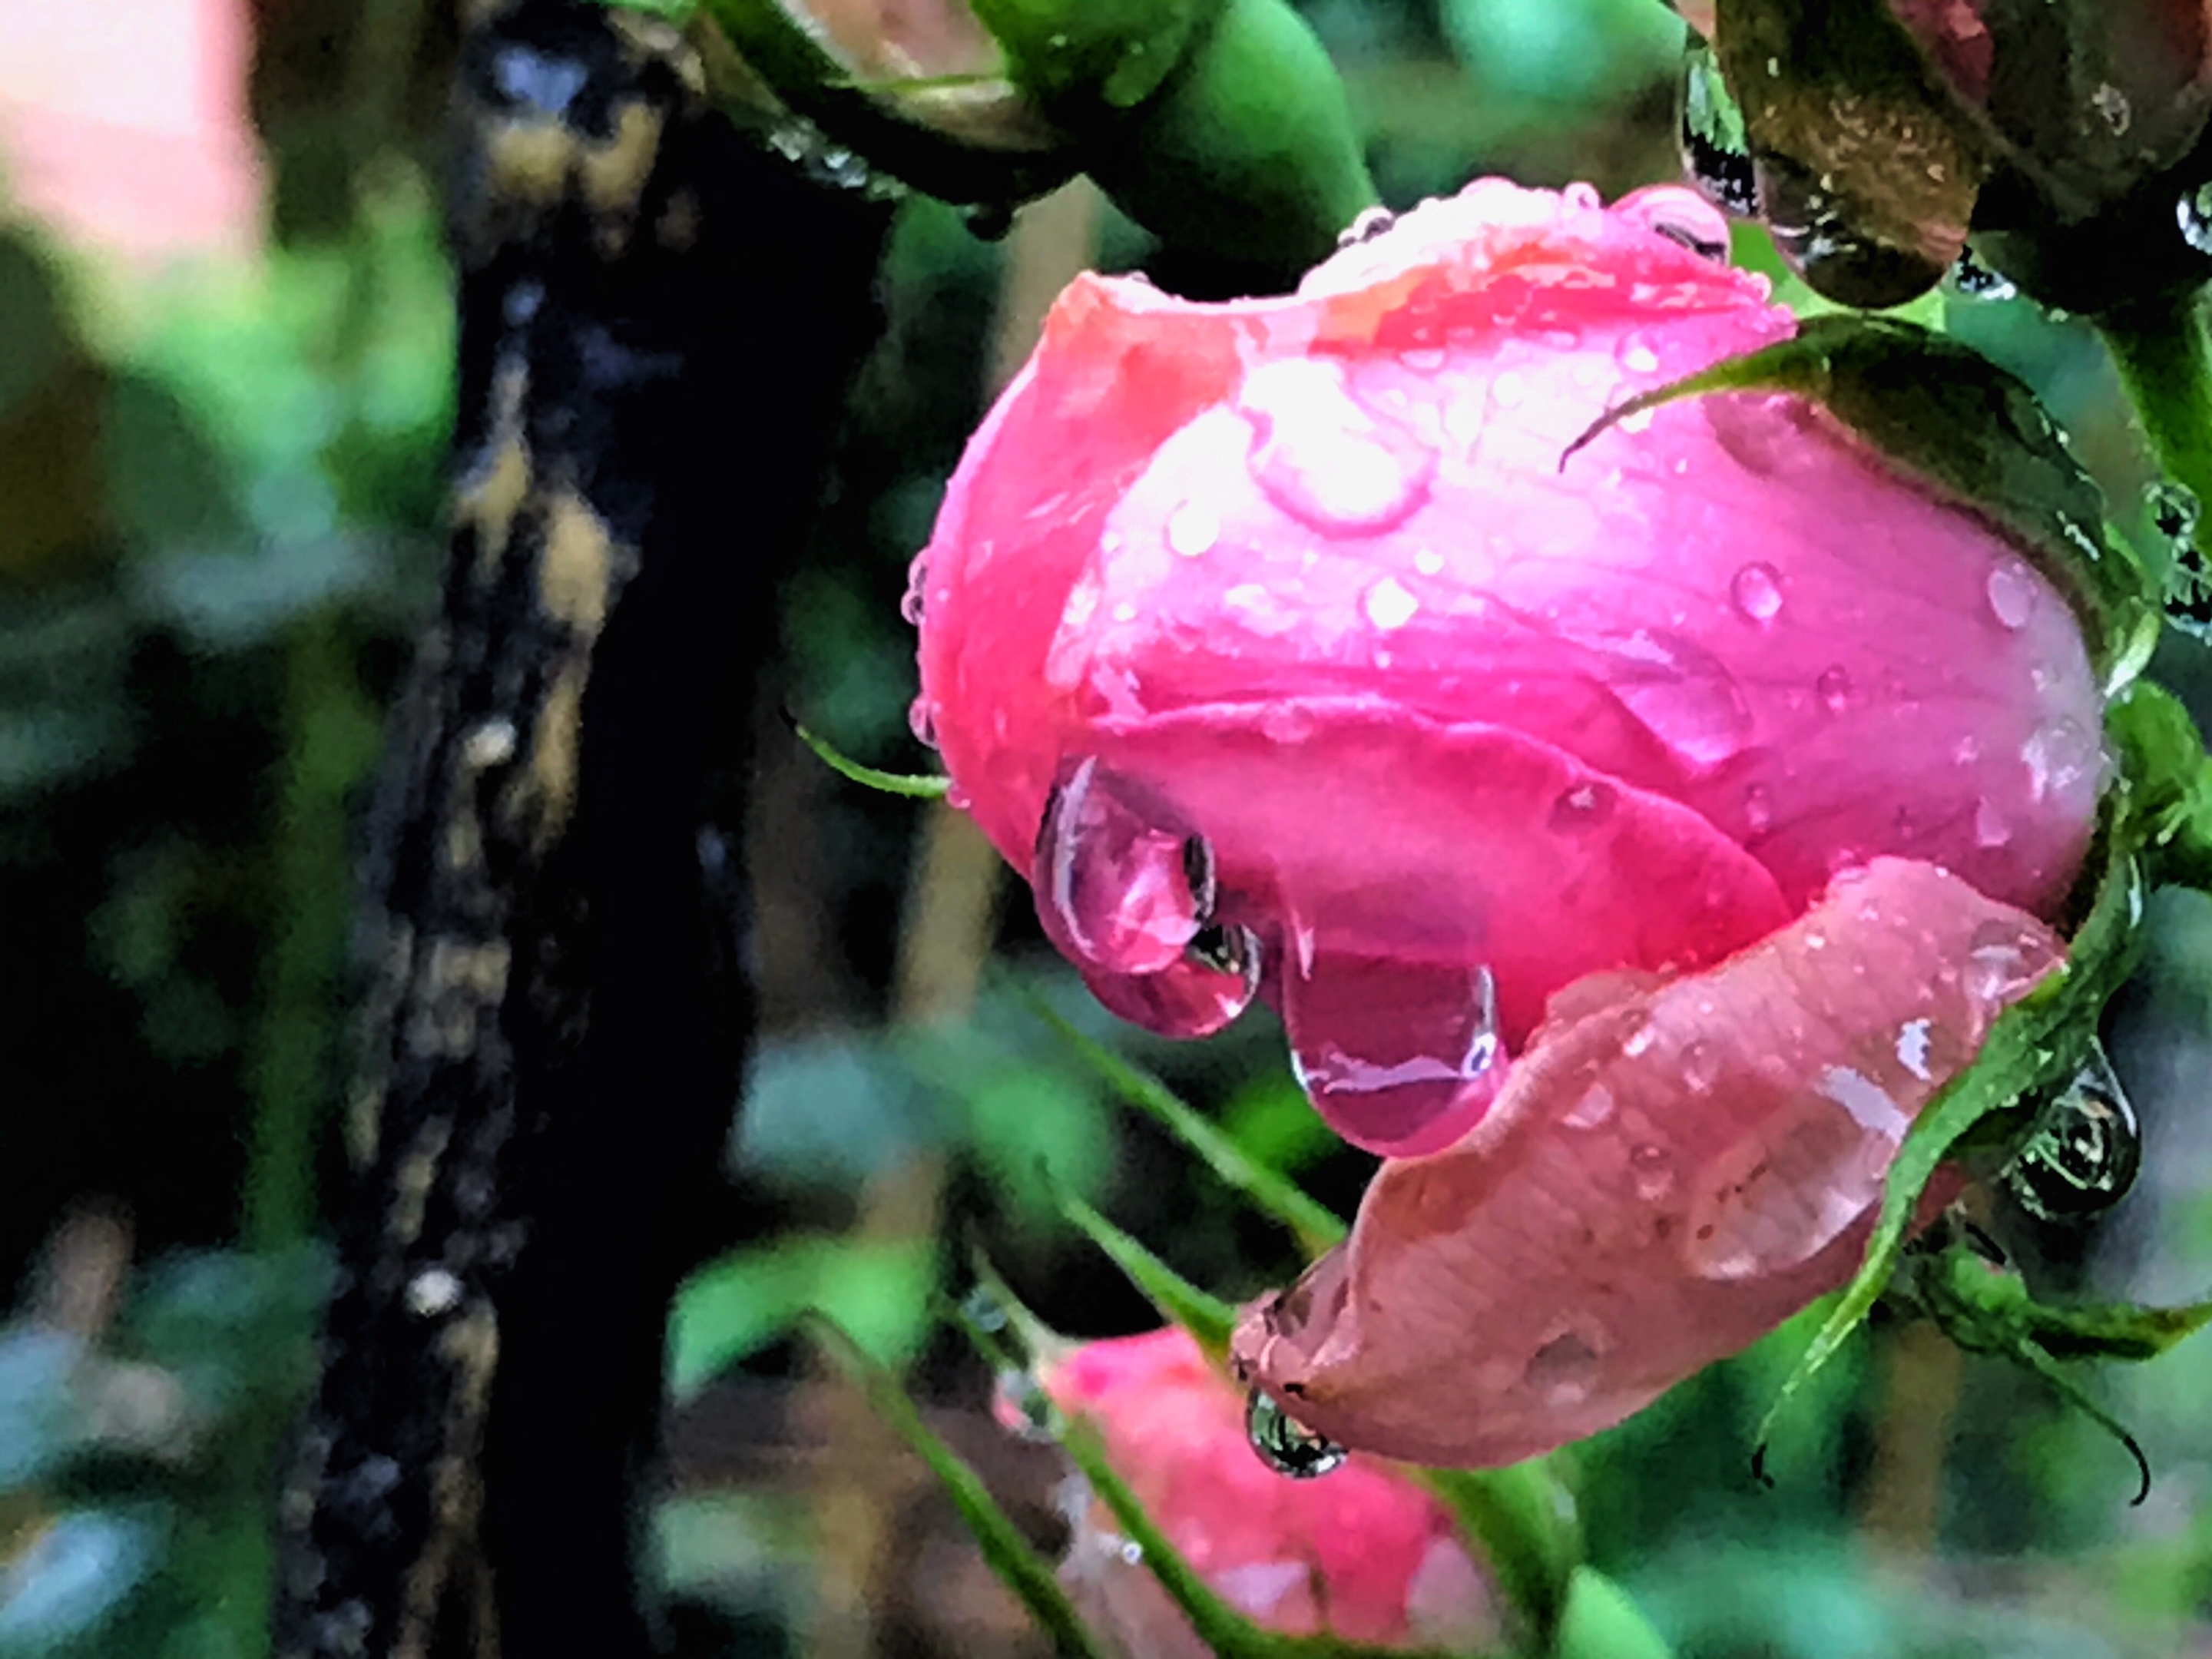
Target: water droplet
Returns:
[[983, 1310], [1701, 1067], [1286, 1445], [2086, 1147], [2012, 592], [1429, 561], [1114, 874], [1366, 225], [1653, 1172], [2002, 961], [2193, 212], [1682, 694], [1594, 1110], [1969, 278], [921, 720], [1756, 591], [490, 744], [1757, 809], [1019, 1401], [1389, 605], [1214, 982], [1562, 1371], [1508, 390], [1638, 358], [2058, 755], [1990, 829], [1834, 688], [1192, 529], [1324, 459], [1582, 195], [1679, 214], [1584, 805], [1401, 1059], [1715, 148], [1423, 360], [2112, 104], [917, 578]]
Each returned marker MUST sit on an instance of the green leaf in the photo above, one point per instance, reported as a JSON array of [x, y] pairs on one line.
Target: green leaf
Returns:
[[2036, 1043], [1988, 1308], [1603, 1622], [674, 11], [2164, 762], [1523, 1520], [919, 786], [1009, 1554], [1110, 52], [1949, 417], [1206, 1316], [1315, 1228], [740, 1304]]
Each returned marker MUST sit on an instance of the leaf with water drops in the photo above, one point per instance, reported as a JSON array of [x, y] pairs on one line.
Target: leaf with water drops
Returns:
[[1866, 167], [2036, 1046], [1945, 415]]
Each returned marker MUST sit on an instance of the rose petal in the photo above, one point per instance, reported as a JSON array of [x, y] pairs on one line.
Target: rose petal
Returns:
[[1664, 1178]]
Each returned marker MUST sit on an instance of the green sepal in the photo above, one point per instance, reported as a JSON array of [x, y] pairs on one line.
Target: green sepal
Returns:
[[1247, 154], [2165, 765], [1523, 1519], [1273, 1195], [1225, 1630], [1603, 1622], [916, 786], [1086, 54], [1950, 418], [872, 121], [1006, 1550], [1207, 1318], [1987, 1310], [1867, 167], [2036, 1044]]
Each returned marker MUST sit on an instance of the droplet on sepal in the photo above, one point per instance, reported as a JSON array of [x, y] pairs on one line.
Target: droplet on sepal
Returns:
[[1286, 1445], [2085, 1150]]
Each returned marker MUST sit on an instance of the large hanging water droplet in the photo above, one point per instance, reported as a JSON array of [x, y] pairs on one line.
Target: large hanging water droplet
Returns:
[[1818, 230], [2193, 215], [1321, 458], [1214, 981], [1286, 1445], [2085, 1150], [1715, 148], [1121, 886], [1401, 1059]]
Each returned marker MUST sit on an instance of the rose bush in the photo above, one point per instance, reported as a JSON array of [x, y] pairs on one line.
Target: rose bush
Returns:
[[1366, 1555], [1647, 828]]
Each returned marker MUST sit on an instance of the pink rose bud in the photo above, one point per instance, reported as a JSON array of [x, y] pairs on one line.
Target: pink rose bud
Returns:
[[1289, 649], [1367, 1555]]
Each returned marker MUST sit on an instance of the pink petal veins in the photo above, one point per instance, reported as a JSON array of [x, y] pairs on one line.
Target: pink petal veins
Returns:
[[1669, 1172]]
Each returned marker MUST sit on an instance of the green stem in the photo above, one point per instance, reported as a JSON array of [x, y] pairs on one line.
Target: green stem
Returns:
[[2165, 360]]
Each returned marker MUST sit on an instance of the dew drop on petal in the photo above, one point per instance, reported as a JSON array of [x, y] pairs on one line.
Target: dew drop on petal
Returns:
[[1324, 459], [2012, 593], [1402, 1059], [1594, 1110], [1562, 1372], [1679, 692], [1192, 529], [1119, 886], [1990, 829], [2058, 755], [1652, 1171], [1286, 1445], [1757, 809], [1638, 358], [1834, 688], [1389, 605], [1756, 593], [1584, 805], [1701, 1067], [921, 720], [1212, 982]]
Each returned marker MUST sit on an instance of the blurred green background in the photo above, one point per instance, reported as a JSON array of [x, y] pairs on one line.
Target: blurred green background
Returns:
[[225, 382]]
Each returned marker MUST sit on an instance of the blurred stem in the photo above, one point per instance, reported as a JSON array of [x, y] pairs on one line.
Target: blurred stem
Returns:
[[1922, 1370], [330, 740], [2165, 361], [944, 940]]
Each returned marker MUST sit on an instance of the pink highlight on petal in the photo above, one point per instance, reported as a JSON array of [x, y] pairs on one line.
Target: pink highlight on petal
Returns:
[[1670, 1172], [1365, 1554]]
